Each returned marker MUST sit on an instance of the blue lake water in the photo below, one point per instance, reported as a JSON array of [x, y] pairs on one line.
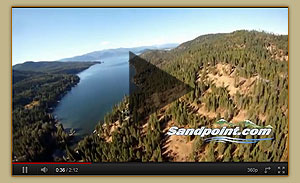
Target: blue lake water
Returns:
[[100, 88]]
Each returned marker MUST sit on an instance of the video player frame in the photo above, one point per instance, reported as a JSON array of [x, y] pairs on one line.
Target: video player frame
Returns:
[[211, 103]]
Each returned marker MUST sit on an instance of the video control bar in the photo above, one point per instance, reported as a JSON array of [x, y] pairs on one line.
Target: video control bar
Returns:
[[176, 169]]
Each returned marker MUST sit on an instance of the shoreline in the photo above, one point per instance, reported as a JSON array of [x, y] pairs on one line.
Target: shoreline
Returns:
[[50, 87]]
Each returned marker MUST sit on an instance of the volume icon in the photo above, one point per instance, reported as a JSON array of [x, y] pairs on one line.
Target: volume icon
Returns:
[[44, 169]]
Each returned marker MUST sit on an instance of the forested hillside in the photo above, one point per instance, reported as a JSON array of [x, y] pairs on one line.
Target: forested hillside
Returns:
[[37, 87], [235, 76], [54, 67]]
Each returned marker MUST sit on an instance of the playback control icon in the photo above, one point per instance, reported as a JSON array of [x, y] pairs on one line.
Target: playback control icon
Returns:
[[44, 169], [267, 169], [281, 170], [24, 169]]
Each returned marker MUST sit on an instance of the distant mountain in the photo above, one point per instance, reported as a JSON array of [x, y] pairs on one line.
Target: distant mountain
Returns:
[[99, 55]]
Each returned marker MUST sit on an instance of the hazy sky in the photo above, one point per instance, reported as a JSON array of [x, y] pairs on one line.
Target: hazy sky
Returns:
[[55, 33]]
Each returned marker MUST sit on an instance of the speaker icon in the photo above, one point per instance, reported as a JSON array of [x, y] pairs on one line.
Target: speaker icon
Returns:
[[44, 169]]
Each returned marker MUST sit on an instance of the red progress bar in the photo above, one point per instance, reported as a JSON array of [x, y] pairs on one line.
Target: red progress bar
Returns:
[[52, 163]]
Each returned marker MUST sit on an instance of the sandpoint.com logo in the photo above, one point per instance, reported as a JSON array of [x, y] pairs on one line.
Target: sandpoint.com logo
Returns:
[[225, 130]]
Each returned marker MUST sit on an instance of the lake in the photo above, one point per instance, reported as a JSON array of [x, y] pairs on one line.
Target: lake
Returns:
[[100, 88]]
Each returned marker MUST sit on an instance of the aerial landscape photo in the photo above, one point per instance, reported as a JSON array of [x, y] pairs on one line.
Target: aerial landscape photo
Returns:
[[126, 84]]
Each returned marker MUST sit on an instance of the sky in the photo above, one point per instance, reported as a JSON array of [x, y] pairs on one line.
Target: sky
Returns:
[[46, 34]]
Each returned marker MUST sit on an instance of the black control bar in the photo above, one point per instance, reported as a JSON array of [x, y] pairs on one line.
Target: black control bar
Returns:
[[176, 169]]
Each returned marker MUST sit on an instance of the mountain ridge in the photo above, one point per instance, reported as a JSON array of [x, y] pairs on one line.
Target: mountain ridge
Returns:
[[101, 54]]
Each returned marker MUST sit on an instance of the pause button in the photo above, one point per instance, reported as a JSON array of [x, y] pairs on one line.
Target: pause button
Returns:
[[24, 170]]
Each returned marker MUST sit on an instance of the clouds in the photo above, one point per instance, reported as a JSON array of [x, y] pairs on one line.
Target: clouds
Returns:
[[104, 43]]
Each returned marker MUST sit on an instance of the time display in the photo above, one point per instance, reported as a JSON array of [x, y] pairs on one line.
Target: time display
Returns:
[[66, 170]]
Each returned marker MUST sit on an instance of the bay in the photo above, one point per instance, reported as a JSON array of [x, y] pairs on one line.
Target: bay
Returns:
[[100, 88]]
